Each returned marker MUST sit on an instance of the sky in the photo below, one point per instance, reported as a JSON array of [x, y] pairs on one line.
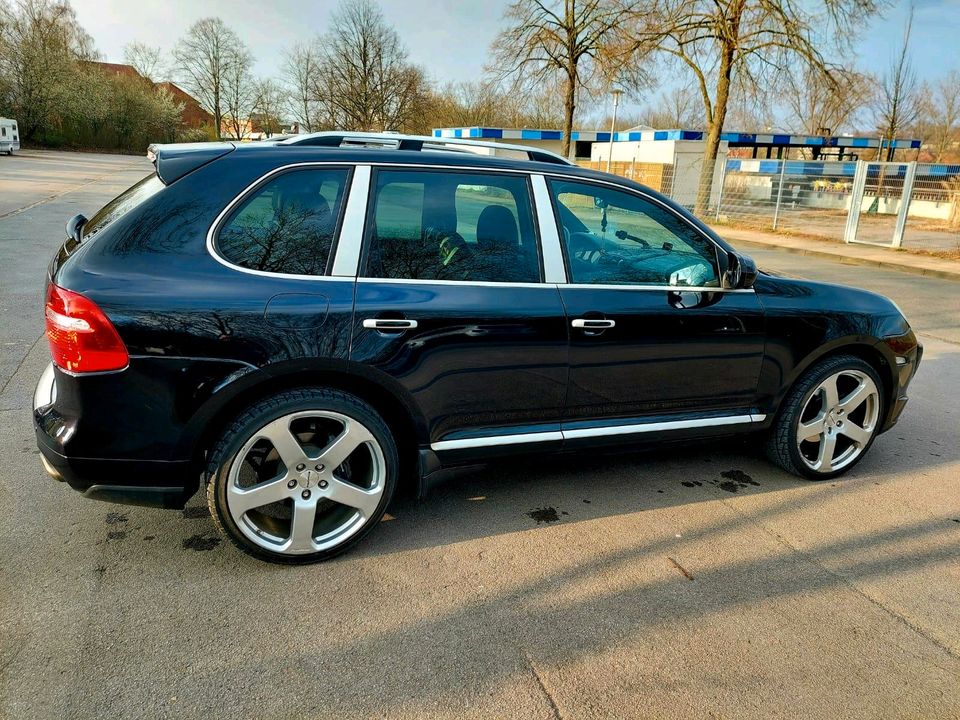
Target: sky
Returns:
[[450, 39]]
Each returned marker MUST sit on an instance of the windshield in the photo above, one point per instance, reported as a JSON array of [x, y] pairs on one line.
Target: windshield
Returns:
[[123, 203]]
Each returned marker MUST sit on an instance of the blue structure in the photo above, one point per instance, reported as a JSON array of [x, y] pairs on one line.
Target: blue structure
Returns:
[[840, 144]]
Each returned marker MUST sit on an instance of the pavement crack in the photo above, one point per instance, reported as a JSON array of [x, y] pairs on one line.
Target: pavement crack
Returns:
[[845, 581], [20, 364], [543, 687]]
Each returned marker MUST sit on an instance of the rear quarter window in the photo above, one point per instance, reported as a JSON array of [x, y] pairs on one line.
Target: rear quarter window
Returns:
[[288, 225]]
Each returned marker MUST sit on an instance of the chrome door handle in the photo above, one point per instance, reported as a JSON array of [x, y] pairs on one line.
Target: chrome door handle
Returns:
[[590, 324], [389, 324]]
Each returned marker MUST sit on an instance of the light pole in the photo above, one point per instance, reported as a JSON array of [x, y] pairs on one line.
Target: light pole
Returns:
[[613, 123]]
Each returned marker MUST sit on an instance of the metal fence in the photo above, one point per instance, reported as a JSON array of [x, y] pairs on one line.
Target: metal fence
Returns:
[[892, 204]]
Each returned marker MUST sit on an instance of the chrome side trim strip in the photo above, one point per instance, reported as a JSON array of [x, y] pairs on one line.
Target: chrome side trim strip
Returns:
[[660, 426], [553, 435], [475, 283], [554, 286], [347, 258], [610, 430], [554, 269], [661, 288]]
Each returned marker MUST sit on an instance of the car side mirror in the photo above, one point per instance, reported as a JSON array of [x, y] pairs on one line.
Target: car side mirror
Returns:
[[748, 272], [740, 273]]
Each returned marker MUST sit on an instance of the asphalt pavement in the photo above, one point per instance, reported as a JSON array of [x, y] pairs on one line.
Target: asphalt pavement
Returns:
[[701, 583]]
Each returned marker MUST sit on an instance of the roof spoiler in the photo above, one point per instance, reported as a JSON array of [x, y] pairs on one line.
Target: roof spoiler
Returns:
[[175, 160]]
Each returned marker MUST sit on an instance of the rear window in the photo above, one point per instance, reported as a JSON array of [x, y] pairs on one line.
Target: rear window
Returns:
[[122, 204]]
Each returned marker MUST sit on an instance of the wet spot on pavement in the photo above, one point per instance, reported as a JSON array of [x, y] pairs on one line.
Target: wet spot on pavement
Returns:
[[739, 476], [691, 483], [201, 542], [545, 514], [116, 535], [193, 513], [149, 537]]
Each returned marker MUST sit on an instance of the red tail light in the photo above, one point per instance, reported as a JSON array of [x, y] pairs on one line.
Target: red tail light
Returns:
[[81, 337]]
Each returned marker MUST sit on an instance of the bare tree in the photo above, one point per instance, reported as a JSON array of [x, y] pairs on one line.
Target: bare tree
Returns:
[[145, 59], [365, 81], [239, 91], [718, 40], [940, 126], [678, 108], [816, 104], [204, 57], [548, 39], [268, 107], [301, 67], [898, 98]]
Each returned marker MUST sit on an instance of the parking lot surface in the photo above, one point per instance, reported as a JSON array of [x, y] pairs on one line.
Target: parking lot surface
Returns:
[[689, 582]]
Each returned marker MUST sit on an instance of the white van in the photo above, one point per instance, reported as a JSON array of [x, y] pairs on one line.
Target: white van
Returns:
[[9, 136]]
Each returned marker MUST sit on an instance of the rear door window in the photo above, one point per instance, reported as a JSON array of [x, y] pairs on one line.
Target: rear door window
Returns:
[[288, 225], [468, 227]]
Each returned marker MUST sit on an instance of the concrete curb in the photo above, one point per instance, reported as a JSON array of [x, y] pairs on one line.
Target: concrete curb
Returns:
[[853, 259]]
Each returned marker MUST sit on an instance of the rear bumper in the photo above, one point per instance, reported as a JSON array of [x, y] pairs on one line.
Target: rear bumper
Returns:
[[154, 483]]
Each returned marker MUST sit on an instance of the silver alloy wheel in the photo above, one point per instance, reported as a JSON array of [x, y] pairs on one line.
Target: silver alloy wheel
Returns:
[[838, 420], [306, 482]]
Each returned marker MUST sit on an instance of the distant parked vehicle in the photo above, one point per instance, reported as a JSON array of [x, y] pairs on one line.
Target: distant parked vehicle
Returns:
[[9, 136]]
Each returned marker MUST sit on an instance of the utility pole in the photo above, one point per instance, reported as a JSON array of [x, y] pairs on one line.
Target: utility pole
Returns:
[[613, 123]]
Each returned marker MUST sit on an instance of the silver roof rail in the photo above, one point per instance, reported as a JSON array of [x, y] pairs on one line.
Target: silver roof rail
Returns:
[[397, 141]]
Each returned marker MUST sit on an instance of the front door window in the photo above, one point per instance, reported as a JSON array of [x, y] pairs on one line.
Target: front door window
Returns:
[[617, 238]]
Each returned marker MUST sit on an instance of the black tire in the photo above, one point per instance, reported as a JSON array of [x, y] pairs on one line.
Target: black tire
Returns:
[[781, 447], [234, 438]]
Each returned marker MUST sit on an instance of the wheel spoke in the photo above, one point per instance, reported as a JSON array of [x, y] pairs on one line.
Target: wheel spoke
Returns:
[[345, 493], [344, 444], [287, 446], [828, 446], [852, 401], [301, 526], [831, 396], [245, 499], [859, 435], [810, 430]]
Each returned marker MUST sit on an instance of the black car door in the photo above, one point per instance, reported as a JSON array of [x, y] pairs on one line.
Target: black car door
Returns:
[[450, 302], [653, 335]]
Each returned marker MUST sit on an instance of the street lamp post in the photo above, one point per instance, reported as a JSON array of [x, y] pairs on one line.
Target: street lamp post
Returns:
[[613, 123]]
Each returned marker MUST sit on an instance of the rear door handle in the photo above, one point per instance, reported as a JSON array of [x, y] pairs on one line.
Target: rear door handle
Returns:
[[389, 324], [590, 324]]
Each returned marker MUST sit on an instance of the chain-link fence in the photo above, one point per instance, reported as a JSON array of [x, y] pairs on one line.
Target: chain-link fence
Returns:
[[892, 204]]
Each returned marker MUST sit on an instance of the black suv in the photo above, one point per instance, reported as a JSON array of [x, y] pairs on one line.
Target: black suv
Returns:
[[305, 324]]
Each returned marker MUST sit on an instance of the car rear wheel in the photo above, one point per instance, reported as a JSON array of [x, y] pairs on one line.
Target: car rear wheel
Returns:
[[829, 419], [302, 476]]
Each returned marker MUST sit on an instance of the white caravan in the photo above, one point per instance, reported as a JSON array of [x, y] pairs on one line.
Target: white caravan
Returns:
[[9, 136]]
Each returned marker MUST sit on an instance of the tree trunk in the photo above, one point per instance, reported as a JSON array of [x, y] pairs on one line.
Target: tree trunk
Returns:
[[714, 129], [569, 106]]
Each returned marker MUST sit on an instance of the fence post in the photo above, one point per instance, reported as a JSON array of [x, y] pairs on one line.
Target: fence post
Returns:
[[723, 180], [905, 197], [856, 200], [776, 210]]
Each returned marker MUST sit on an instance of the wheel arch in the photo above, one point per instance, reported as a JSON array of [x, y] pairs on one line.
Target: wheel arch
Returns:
[[870, 350], [380, 391]]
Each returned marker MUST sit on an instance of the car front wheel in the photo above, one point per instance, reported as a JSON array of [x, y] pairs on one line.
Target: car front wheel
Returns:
[[302, 476], [828, 420]]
